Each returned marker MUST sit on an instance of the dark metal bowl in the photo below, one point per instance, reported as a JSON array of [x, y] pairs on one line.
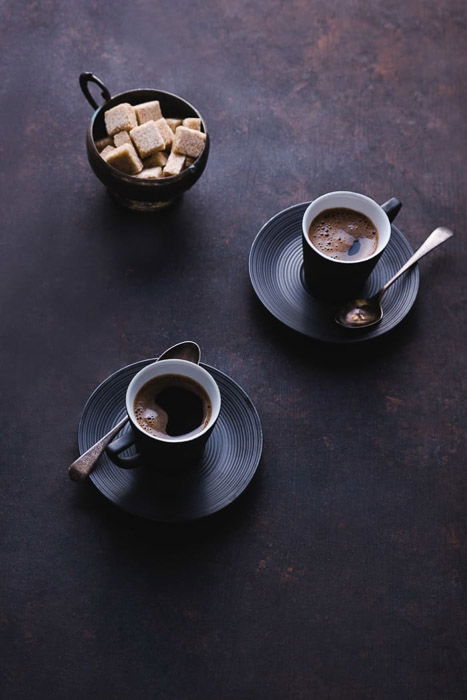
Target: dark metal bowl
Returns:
[[132, 192]]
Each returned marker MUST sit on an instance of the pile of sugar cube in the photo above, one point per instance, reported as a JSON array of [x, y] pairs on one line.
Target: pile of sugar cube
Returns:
[[142, 143]]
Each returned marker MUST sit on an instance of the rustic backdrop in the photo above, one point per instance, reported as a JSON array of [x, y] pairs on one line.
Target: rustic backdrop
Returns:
[[339, 573]]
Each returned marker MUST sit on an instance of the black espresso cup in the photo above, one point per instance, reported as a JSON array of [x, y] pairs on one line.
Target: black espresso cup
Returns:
[[333, 279], [163, 451], [133, 192]]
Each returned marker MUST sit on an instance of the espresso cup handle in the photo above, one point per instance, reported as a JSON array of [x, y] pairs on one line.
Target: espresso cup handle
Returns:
[[392, 207], [119, 445]]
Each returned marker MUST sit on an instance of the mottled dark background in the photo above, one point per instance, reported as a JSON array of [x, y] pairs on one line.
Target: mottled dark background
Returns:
[[339, 573]]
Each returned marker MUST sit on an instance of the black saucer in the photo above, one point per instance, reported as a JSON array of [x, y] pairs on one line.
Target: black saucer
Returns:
[[277, 278], [228, 464]]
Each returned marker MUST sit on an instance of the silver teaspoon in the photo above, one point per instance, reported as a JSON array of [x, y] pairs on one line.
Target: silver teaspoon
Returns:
[[361, 313], [83, 466]]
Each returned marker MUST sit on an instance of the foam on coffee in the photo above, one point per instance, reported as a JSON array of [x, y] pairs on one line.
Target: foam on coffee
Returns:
[[172, 406], [343, 234]]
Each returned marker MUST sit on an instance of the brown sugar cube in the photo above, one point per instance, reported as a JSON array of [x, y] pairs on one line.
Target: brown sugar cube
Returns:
[[125, 158], [121, 138], [150, 173], [122, 117], [166, 131], [106, 151], [148, 111], [174, 164], [147, 138], [173, 123], [103, 143], [159, 158], [192, 123], [188, 141]]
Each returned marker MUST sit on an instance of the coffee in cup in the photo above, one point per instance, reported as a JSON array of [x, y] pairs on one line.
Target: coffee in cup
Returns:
[[172, 405], [343, 236]]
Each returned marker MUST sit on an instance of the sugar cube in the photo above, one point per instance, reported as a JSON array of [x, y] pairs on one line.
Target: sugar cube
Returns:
[[174, 164], [192, 123], [122, 137], [173, 123], [150, 173], [188, 141], [122, 117], [125, 158], [103, 143], [106, 151], [148, 111], [155, 159], [166, 131], [147, 138]]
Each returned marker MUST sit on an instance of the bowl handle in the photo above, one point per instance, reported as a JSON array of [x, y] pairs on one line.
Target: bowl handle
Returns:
[[86, 78]]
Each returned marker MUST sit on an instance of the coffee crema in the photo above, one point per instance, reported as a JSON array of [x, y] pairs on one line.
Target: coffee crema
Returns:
[[343, 234], [172, 406]]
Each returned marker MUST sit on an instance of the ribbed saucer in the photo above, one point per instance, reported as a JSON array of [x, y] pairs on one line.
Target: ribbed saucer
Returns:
[[276, 273], [227, 466]]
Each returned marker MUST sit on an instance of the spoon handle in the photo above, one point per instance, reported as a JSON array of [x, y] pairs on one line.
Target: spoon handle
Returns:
[[83, 466], [436, 237]]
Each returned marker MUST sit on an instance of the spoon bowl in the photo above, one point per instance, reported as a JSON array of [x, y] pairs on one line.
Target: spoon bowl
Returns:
[[363, 313], [360, 313], [187, 350]]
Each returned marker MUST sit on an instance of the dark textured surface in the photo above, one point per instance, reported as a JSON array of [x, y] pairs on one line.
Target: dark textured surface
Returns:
[[340, 572]]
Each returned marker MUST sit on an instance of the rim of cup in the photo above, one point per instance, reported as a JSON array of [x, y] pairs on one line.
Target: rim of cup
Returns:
[[349, 200], [185, 368]]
